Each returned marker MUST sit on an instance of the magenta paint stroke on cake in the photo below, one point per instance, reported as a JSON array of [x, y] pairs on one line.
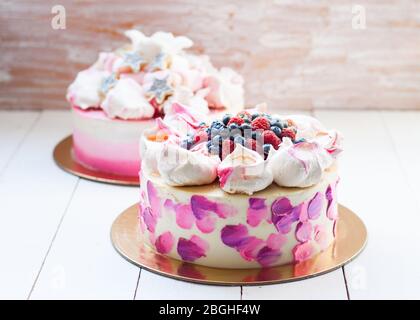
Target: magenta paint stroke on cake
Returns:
[[192, 249], [202, 208], [252, 248], [183, 214], [164, 242], [223, 175], [315, 206], [283, 214], [321, 236], [151, 213], [330, 195], [303, 251], [303, 231], [256, 212]]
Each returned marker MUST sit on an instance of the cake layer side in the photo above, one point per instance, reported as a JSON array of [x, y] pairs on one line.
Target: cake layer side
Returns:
[[107, 145], [207, 226]]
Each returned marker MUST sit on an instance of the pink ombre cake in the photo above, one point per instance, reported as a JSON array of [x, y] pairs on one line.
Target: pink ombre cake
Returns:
[[122, 93], [245, 191]]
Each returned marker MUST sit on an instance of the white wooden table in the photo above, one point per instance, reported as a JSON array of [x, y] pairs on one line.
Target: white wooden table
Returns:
[[54, 227]]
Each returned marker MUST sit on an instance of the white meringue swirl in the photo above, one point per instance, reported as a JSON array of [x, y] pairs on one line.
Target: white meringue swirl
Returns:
[[126, 101], [298, 165], [181, 167], [244, 171]]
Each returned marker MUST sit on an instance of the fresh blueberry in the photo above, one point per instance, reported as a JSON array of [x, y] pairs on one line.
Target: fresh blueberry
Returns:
[[226, 119], [235, 132], [284, 124], [214, 150], [233, 126], [266, 148], [256, 134], [240, 140], [224, 133], [276, 130], [245, 126], [217, 139], [255, 115]]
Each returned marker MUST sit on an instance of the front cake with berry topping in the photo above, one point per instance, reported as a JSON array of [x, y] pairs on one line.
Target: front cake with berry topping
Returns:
[[245, 191], [119, 96]]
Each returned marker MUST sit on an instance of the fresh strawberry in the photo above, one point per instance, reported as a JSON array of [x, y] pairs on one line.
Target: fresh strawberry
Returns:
[[260, 123], [271, 138]]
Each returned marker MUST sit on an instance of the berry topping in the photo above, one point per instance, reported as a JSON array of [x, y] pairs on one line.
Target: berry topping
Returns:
[[226, 119], [289, 133], [244, 115], [271, 138], [260, 123], [266, 149], [236, 120]]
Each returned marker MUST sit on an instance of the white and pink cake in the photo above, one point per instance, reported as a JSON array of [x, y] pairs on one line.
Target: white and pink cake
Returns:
[[119, 96], [246, 191]]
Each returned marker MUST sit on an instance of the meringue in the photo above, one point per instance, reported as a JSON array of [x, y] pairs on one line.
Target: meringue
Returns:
[[126, 101], [84, 92], [298, 165], [244, 171], [225, 90], [180, 167], [308, 127], [162, 73]]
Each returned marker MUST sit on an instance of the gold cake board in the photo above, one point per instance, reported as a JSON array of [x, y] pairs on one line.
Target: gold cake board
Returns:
[[350, 241], [63, 156]]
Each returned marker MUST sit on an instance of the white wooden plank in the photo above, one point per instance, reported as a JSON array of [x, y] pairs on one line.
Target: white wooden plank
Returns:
[[328, 286], [373, 185], [153, 286], [34, 193], [13, 128], [404, 130], [82, 264]]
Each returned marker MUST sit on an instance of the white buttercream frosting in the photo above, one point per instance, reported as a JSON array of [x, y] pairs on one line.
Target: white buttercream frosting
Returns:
[[161, 74], [244, 171]]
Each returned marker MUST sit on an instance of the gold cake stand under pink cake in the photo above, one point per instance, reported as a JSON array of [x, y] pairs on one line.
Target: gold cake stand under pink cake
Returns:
[[63, 156], [350, 241]]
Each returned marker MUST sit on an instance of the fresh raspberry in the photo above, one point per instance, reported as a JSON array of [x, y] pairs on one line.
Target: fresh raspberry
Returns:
[[260, 123], [227, 147], [271, 138], [289, 133], [244, 114], [253, 145], [237, 120]]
